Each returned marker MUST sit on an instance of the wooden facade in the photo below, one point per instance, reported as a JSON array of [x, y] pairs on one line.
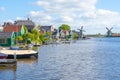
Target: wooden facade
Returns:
[[7, 38]]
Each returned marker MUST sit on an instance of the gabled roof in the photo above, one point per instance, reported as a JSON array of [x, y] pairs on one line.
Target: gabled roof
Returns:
[[5, 34], [12, 28], [46, 28], [24, 22], [28, 23]]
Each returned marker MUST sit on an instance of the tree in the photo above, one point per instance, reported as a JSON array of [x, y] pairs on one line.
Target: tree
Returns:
[[35, 31], [28, 37], [36, 34], [42, 38], [19, 38], [75, 36], [64, 27]]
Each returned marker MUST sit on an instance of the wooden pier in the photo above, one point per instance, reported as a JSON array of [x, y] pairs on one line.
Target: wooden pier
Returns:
[[20, 54], [8, 62]]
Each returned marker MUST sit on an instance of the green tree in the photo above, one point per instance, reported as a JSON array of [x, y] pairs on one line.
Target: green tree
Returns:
[[36, 34], [35, 31], [64, 27], [19, 38], [75, 36], [42, 38], [28, 37], [48, 34]]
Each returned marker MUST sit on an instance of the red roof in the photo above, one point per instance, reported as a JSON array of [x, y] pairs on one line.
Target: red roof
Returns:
[[12, 28]]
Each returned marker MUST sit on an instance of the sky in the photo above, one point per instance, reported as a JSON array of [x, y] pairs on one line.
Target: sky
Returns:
[[94, 15]]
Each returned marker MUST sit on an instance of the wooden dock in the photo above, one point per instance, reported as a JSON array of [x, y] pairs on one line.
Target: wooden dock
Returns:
[[20, 53], [8, 62]]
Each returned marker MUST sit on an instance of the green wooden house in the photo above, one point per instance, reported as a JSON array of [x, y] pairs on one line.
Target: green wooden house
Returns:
[[7, 38]]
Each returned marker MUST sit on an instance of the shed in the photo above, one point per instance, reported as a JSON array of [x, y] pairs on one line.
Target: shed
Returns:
[[7, 38]]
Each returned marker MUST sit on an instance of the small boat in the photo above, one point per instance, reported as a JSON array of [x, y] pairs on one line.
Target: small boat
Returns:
[[3, 56], [36, 45]]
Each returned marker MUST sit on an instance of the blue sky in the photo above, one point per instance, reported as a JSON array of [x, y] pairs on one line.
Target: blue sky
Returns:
[[112, 5], [94, 15]]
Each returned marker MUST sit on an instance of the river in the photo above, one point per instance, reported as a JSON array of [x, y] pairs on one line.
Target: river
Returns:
[[92, 59]]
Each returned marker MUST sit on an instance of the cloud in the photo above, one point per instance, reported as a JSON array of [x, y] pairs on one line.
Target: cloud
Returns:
[[75, 13]]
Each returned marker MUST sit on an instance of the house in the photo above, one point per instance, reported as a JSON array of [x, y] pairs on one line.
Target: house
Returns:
[[18, 29], [7, 39], [55, 34], [64, 33], [115, 34], [44, 29], [28, 23]]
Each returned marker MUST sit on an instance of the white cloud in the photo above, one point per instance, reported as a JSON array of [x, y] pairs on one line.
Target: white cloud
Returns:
[[75, 13]]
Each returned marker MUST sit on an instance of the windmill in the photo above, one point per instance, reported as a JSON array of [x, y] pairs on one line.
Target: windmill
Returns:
[[109, 32], [81, 32]]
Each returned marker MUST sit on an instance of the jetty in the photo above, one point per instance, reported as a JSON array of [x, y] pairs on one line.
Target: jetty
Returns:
[[20, 53], [8, 62]]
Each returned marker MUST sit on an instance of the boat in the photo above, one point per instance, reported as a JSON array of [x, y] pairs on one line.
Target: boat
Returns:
[[36, 45], [3, 56]]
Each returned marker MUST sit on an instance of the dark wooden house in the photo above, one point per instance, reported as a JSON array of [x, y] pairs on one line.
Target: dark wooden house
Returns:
[[7, 38], [44, 29]]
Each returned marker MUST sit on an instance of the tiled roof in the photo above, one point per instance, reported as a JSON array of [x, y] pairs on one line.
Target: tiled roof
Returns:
[[28, 23], [12, 28], [24, 22], [5, 34], [46, 28]]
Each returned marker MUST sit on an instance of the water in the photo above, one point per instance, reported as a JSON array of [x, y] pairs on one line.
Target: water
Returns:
[[92, 59]]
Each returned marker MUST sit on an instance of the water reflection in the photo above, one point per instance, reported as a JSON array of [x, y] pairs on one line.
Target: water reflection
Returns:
[[15, 72], [27, 61], [8, 73]]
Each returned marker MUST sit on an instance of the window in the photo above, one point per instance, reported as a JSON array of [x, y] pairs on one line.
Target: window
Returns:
[[3, 41]]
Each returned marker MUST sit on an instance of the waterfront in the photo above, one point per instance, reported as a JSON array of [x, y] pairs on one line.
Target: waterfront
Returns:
[[92, 59]]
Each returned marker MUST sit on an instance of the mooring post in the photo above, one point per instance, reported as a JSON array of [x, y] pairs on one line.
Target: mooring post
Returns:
[[15, 56]]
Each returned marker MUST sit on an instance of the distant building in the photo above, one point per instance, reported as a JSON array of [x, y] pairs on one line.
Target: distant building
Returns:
[[28, 23], [115, 35], [44, 29], [64, 33], [7, 39], [18, 29]]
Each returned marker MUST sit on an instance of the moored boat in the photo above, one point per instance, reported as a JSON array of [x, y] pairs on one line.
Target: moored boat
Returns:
[[3, 56]]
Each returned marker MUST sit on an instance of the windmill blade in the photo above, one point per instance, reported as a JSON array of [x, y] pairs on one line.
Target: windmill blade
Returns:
[[81, 27], [107, 28], [78, 29]]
